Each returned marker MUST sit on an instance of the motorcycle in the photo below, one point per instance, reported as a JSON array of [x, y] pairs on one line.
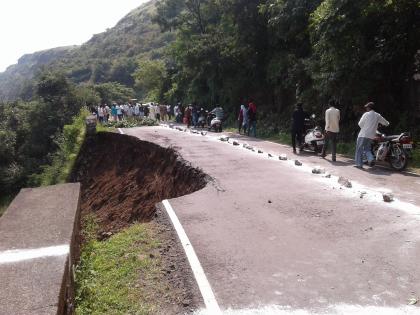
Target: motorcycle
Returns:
[[314, 138], [395, 149], [214, 123], [201, 122]]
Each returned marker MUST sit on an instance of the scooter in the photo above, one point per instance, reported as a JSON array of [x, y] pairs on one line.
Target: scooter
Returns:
[[214, 123], [201, 122], [314, 138]]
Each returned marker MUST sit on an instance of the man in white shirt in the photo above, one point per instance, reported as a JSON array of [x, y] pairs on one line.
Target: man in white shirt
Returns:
[[332, 128], [368, 125]]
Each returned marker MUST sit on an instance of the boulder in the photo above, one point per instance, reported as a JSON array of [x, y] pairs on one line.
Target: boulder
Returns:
[[298, 163], [344, 182], [235, 143], [318, 170], [388, 197], [283, 157]]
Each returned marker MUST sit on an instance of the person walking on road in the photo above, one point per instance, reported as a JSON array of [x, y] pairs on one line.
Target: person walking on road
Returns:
[[162, 111], [241, 117], [245, 123], [332, 128], [298, 126], [187, 116], [252, 118], [368, 126], [119, 112], [194, 115], [114, 112]]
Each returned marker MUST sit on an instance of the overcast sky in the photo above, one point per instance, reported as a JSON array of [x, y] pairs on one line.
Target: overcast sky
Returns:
[[27, 26]]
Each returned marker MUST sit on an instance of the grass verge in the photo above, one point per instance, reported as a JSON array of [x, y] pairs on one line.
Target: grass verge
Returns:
[[121, 275], [4, 203]]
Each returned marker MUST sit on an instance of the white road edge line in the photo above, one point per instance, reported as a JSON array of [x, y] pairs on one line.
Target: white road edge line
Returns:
[[202, 282], [120, 131], [16, 255]]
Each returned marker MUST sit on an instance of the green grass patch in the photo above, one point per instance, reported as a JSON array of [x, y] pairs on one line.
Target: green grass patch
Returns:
[[69, 143], [4, 202], [119, 276], [414, 164], [281, 137], [102, 128]]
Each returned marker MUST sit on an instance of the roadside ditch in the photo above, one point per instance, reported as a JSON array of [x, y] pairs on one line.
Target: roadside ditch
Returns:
[[130, 259]]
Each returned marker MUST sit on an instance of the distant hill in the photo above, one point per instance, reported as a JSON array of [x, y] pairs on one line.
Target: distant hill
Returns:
[[108, 56]]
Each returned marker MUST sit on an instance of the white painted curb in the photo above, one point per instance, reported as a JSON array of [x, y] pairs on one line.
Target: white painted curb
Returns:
[[16, 255], [202, 282]]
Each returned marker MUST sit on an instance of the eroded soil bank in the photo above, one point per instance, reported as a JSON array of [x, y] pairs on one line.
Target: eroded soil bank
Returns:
[[123, 178]]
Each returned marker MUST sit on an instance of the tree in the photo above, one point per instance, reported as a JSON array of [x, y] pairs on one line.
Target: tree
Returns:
[[121, 71], [113, 92], [150, 77], [365, 50]]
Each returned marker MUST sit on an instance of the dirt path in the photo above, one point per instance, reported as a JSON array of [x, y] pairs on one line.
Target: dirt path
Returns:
[[274, 238]]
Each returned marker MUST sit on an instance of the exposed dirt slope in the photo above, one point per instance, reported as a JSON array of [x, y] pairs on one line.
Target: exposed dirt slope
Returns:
[[123, 178]]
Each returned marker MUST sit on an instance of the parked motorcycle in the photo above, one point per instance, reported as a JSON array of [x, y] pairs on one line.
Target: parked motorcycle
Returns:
[[314, 137], [395, 149]]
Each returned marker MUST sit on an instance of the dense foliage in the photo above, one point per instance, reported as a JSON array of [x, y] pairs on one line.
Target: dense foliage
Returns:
[[283, 51], [68, 142], [31, 132]]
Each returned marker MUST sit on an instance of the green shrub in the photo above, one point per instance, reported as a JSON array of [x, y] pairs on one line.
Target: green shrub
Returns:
[[62, 161]]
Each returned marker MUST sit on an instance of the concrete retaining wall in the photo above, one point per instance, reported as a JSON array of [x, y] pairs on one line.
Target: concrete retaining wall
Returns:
[[38, 246]]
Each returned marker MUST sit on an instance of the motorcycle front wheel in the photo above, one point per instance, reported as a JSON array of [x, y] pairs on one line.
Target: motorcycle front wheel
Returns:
[[398, 159]]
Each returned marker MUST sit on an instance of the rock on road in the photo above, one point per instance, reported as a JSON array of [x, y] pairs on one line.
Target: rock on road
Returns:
[[273, 238]]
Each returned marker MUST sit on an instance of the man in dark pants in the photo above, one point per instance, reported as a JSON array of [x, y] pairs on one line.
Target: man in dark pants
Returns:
[[298, 126], [332, 121], [252, 118]]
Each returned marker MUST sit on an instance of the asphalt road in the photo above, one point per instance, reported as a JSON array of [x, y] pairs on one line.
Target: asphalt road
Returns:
[[273, 238]]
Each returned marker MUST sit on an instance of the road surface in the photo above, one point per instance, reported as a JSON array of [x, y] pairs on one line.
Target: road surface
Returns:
[[273, 238]]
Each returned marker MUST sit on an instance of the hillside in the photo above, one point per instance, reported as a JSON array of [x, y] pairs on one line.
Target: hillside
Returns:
[[108, 56]]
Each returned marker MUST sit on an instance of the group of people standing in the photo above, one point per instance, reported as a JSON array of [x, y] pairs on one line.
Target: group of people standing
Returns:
[[368, 126], [247, 119], [118, 112], [247, 122], [187, 114]]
